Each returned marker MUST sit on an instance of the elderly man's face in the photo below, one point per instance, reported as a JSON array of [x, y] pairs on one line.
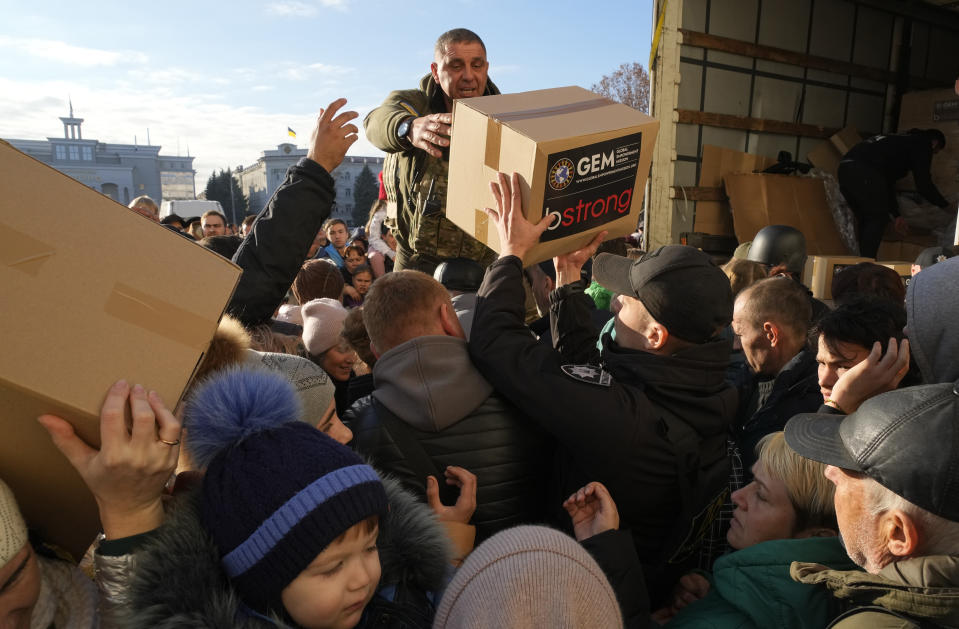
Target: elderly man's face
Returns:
[[461, 70], [858, 527]]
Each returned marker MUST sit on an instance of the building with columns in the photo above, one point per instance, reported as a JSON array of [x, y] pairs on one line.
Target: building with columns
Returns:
[[259, 180], [120, 171]]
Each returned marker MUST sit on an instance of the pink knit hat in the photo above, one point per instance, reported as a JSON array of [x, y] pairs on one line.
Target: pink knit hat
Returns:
[[322, 324]]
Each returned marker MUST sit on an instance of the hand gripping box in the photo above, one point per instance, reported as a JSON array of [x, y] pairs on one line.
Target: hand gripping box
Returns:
[[92, 293], [581, 158]]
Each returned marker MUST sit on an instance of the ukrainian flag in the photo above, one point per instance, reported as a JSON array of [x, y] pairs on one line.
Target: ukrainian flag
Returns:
[[290, 132]]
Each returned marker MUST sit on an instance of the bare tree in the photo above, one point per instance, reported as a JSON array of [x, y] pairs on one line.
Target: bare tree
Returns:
[[629, 85]]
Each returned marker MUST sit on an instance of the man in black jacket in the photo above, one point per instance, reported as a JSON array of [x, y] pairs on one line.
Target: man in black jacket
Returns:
[[431, 408], [771, 320], [648, 418], [275, 250], [868, 175]]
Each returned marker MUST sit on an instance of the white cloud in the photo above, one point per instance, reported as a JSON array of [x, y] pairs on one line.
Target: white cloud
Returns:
[[291, 8], [297, 72], [218, 134], [63, 52], [295, 8]]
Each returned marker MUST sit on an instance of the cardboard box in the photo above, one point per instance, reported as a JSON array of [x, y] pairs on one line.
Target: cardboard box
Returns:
[[715, 217], [581, 157], [93, 293], [819, 272], [759, 200], [907, 248]]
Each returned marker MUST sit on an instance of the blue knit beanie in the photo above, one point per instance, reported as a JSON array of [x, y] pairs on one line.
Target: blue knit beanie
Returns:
[[276, 491]]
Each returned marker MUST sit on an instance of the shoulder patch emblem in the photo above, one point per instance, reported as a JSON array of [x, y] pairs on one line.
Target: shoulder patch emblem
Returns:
[[593, 374]]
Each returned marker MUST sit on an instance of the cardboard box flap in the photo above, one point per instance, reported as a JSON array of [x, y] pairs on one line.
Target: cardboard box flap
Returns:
[[758, 200], [95, 293], [554, 114]]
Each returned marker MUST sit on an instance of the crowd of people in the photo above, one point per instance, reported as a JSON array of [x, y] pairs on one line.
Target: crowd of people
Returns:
[[616, 438]]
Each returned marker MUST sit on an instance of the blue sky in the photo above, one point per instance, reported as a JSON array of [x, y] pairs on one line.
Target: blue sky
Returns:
[[226, 79]]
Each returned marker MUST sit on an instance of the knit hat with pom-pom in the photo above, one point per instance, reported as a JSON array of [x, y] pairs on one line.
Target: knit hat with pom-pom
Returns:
[[276, 491]]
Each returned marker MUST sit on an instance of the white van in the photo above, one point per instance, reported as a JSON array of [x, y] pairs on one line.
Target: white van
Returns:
[[189, 208]]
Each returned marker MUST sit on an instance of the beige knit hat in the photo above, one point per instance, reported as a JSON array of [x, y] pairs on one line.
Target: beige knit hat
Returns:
[[13, 530], [322, 324], [312, 384], [529, 576]]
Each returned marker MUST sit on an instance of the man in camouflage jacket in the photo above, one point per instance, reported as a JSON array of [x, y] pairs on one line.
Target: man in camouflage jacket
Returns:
[[413, 127]]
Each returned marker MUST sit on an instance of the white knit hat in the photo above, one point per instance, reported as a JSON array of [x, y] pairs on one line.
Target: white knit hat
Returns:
[[322, 324], [13, 530], [529, 576]]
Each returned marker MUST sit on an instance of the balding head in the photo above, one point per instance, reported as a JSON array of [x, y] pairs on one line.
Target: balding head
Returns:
[[771, 319], [405, 305]]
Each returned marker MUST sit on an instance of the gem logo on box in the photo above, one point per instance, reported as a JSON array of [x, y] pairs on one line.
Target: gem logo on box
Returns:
[[590, 185], [561, 174]]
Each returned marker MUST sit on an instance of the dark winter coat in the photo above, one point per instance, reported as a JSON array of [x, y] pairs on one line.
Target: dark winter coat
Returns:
[[272, 254], [431, 408], [651, 428], [795, 391], [177, 580]]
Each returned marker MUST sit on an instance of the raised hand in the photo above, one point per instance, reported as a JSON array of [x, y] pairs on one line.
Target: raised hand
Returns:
[[128, 473], [332, 136]]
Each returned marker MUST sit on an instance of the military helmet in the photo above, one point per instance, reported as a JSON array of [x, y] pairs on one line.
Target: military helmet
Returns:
[[779, 244]]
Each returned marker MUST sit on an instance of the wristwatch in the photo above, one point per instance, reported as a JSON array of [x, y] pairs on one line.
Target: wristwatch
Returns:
[[403, 129]]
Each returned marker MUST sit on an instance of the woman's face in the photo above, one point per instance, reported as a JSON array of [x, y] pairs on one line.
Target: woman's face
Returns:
[[763, 511], [352, 260], [338, 361]]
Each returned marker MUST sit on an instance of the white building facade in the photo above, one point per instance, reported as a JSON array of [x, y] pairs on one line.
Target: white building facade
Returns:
[[120, 171], [259, 180]]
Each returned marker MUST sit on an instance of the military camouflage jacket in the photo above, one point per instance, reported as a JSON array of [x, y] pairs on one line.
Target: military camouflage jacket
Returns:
[[416, 183]]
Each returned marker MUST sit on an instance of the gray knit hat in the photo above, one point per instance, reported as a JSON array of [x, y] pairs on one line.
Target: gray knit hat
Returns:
[[13, 530], [529, 576], [312, 384]]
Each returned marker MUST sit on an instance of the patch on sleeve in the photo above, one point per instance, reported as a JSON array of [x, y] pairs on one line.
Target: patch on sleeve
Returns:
[[593, 374]]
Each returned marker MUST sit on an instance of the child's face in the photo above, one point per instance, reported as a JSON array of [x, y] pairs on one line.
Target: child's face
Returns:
[[353, 259], [361, 282], [333, 590]]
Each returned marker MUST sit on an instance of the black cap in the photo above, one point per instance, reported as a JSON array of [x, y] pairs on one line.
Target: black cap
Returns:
[[906, 440], [462, 274], [680, 286]]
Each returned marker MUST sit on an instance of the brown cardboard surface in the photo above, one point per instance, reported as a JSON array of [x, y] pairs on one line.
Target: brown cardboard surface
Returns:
[[715, 217], [94, 293], [821, 270], [908, 249], [531, 133], [934, 109], [761, 200]]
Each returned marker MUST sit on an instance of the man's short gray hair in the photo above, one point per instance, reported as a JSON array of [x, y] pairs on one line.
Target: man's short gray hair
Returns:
[[937, 535], [455, 36]]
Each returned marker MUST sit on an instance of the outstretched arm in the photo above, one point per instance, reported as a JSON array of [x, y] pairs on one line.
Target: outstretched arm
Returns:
[[276, 248]]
